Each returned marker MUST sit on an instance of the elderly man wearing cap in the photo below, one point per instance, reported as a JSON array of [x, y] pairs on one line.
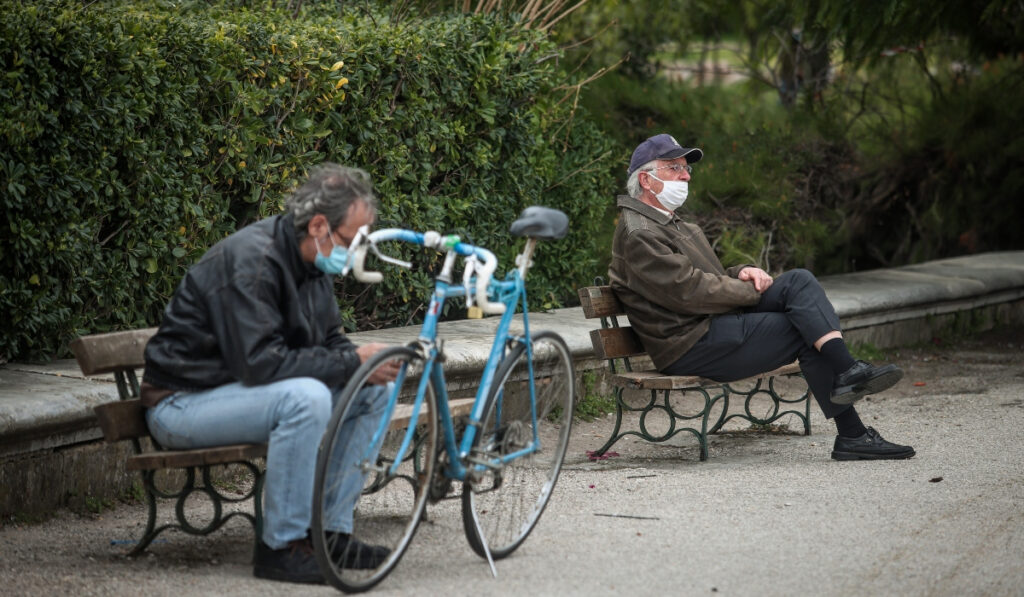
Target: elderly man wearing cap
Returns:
[[696, 317]]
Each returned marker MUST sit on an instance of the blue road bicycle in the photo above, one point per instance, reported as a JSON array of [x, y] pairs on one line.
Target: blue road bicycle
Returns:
[[508, 454]]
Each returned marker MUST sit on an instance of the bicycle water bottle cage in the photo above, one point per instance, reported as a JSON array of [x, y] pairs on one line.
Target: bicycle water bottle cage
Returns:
[[544, 223]]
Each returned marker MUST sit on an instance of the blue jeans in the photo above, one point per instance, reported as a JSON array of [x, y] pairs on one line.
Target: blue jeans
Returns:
[[290, 416]]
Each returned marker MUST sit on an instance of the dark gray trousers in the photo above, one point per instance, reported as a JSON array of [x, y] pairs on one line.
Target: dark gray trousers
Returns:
[[793, 313]]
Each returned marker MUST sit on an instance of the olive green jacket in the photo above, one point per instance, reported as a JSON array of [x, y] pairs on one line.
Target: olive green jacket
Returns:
[[669, 280]]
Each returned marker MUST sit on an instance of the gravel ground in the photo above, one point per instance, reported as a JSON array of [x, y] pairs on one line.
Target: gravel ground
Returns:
[[767, 514]]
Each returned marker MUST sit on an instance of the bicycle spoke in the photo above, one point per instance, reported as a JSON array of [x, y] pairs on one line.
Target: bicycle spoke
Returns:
[[508, 499]]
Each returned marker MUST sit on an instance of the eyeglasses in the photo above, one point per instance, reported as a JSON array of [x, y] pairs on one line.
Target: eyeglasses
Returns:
[[677, 168]]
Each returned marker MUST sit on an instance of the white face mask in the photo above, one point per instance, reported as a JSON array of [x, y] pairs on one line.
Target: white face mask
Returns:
[[673, 192]]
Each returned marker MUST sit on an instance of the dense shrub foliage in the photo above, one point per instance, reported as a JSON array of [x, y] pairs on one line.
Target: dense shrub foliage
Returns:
[[135, 136]]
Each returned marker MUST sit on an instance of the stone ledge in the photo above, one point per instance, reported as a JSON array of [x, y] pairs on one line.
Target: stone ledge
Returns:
[[933, 283], [39, 412]]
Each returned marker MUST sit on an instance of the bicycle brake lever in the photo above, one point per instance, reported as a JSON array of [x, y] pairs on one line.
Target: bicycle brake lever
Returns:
[[391, 260]]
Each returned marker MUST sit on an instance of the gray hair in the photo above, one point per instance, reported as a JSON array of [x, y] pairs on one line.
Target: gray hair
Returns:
[[633, 188], [331, 190]]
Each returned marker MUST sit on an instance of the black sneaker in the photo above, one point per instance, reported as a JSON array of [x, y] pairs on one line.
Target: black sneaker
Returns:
[[295, 563], [870, 446], [862, 379], [353, 553]]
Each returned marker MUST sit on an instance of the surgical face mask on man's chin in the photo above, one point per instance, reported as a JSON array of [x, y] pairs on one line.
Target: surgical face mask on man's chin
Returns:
[[673, 192]]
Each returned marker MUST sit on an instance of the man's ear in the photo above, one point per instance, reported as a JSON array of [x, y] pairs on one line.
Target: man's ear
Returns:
[[318, 226]]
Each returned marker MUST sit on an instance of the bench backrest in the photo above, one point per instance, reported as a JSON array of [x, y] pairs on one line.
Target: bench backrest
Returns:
[[120, 353], [109, 353], [610, 341], [124, 419]]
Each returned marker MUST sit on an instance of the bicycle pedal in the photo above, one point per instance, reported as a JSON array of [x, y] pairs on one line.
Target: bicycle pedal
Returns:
[[474, 312]]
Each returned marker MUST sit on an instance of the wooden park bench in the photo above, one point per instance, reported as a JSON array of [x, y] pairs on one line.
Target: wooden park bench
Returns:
[[621, 347], [121, 353]]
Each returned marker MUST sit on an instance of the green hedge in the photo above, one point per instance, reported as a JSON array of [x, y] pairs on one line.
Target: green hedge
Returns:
[[134, 136]]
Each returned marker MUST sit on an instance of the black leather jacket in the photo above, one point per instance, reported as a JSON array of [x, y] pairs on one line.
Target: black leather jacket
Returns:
[[670, 281], [251, 311]]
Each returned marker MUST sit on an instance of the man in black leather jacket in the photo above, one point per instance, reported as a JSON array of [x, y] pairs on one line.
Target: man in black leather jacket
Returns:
[[250, 351]]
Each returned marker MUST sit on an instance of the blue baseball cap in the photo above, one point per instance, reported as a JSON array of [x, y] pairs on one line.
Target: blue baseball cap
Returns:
[[662, 147]]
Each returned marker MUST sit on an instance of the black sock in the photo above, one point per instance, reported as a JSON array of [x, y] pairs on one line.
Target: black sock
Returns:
[[848, 423], [837, 355]]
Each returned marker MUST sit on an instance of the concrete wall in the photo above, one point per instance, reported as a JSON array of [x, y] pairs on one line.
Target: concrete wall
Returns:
[[918, 330], [79, 476]]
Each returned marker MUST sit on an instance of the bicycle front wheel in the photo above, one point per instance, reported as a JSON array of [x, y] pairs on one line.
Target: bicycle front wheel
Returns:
[[506, 500], [365, 509]]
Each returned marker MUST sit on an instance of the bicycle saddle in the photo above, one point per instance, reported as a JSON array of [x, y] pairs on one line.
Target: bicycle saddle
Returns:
[[544, 223]]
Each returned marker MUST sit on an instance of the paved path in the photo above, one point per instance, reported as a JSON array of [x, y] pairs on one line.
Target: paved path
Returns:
[[766, 515]]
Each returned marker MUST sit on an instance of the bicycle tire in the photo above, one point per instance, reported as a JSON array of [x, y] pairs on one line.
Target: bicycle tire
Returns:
[[387, 511], [509, 501]]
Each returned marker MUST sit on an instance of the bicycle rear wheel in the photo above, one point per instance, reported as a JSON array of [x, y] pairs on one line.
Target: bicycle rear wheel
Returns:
[[508, 500], [383, 516]]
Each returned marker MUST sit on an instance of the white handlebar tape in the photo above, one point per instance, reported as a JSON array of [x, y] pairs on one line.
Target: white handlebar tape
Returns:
[[483, 278], [358, 257]]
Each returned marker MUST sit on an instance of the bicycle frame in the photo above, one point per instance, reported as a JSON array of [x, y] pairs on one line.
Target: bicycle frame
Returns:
[[511, 293]]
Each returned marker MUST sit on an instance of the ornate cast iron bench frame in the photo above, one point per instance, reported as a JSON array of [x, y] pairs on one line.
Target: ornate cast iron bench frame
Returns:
[[613, 343]]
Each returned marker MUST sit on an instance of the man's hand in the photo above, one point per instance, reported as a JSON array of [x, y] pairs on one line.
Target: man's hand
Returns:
[[387, 371], [757, 276]]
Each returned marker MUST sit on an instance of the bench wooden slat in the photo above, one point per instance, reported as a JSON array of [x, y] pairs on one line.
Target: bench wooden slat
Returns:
[[106, 353], [613, 343], [599, 301], [789, 369], [653, 380], [124, 419], [199, 457]]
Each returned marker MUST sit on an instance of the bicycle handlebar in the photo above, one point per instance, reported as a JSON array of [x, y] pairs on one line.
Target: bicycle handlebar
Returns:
[[367, 241]]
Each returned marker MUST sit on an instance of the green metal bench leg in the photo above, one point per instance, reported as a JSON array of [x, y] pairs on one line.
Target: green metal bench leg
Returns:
[[724, 397], [615, 435], [708, 403], [807, 412], [150, 533], [257, 504]]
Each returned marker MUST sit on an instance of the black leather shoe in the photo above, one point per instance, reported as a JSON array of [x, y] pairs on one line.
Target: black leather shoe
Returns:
[[295, 563], [870, 446], [353, 553], [862, 379]]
